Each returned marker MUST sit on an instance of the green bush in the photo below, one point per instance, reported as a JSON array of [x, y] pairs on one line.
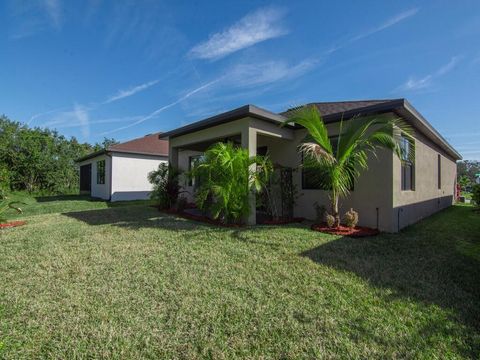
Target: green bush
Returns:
[[166, 187], [228, 176], [476, 194]]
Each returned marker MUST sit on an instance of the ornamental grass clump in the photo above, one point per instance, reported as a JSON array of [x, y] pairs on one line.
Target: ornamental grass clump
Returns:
[[351, 218]]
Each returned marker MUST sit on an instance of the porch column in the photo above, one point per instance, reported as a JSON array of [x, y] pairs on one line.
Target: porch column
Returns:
[[249, 142], [173, 156]]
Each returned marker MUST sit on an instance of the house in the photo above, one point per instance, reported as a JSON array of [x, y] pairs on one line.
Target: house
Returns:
[[120, 171], [390, 195]]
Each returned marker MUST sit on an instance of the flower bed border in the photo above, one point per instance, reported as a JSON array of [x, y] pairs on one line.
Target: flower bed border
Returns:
[[356, 232], [283, 221], [12, 224]]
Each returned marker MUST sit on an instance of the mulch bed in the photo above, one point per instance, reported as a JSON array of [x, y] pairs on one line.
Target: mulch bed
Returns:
[[356, 232], [12, 224]]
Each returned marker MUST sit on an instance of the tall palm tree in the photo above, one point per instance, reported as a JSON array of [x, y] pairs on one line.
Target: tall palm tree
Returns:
[[336, 162]]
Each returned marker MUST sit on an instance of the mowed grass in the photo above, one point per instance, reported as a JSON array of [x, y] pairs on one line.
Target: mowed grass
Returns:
[[131, 282]]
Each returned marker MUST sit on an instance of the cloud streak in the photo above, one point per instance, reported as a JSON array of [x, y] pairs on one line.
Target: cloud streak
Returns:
[[258, 26], [121, 94], [54, 11], [165, 107], [413, 83]]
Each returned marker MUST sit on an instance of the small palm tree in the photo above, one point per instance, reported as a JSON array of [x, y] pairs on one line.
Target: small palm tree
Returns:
[[337, 161]]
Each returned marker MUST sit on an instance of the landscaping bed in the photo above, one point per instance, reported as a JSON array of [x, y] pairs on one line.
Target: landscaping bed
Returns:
[[356, 232]]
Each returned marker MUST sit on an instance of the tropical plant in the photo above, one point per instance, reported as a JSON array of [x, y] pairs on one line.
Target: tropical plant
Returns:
[[166, 187], [351, 218], [6, 205], [229, 176], [337, 161]]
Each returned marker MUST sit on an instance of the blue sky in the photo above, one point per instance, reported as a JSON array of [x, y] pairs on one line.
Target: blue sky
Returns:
[[95, 69]]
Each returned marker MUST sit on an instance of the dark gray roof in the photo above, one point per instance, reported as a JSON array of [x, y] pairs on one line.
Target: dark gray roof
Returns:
[[239, 113], [331, 112]]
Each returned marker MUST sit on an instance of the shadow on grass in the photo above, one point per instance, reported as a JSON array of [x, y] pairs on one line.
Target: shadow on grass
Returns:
[[427, 262], [71, 197]]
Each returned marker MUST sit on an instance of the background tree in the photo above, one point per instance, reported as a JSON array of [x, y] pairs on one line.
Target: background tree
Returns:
[[40, 160], [337, 161]]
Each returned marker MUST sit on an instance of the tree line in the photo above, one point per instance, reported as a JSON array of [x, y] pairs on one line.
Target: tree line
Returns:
[[40, 160]]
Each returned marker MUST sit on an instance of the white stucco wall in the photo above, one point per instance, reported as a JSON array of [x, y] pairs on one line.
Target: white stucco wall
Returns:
[[101, 191], [129, 175]]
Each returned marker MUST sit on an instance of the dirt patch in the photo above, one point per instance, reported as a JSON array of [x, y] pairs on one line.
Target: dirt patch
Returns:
[[357, 231]]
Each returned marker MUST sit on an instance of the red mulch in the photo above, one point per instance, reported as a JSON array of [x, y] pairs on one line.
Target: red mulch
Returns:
[[357, 231], [282, 221], [12, 224]]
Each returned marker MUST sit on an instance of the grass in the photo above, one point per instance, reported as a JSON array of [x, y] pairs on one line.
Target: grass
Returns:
[[130, 282]]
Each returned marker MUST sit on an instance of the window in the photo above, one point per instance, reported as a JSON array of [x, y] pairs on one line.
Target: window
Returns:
[[192, 162], [439, 171], [101, 172], [408, 171]]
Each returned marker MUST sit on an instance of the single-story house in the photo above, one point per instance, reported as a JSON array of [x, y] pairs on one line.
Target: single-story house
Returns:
[[120, 171], [390, 195]]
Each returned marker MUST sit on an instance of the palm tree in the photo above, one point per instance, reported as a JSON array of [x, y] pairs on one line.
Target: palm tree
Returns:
[[336, 162]]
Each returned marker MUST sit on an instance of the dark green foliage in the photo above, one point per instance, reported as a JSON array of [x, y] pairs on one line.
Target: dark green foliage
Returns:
[[467, 169], [39, 160], [476, 194], [166, 187], [229, 176]]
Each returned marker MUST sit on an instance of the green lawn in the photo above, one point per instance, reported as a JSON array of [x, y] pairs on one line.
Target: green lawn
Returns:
[[130, 282]]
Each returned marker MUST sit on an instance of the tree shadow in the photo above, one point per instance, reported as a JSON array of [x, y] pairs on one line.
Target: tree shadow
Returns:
[[71, 197], [423, 262]]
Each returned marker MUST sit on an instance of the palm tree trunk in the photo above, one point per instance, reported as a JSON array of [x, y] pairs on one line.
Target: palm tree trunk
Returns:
[[335, 212]]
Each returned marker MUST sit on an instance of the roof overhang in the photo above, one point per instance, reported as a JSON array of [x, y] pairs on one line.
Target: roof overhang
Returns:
[[401, 107], [108, 152], [236, 114]]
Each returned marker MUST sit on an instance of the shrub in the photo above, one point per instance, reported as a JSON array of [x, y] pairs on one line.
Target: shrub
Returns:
[[476, 194], [166, 187], [351, 218], [330, 219], [228, 178], [320, 211]]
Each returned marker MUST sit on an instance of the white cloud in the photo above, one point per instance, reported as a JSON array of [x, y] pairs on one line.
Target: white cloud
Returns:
[[256, 74], [388, 23], [422, 83], [129, 92], [78, 115], [54, 11], [165, 107], [255, 27]]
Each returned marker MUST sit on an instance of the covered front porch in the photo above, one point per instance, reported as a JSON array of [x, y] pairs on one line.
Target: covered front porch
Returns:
[[257, 136]]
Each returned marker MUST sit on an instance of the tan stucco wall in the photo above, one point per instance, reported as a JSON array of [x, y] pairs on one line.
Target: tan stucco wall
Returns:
[[373, 189], [376, 196], [411, 206]]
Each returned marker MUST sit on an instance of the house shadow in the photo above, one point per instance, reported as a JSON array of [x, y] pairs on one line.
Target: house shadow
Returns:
[[134, 218], [414, 264]]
